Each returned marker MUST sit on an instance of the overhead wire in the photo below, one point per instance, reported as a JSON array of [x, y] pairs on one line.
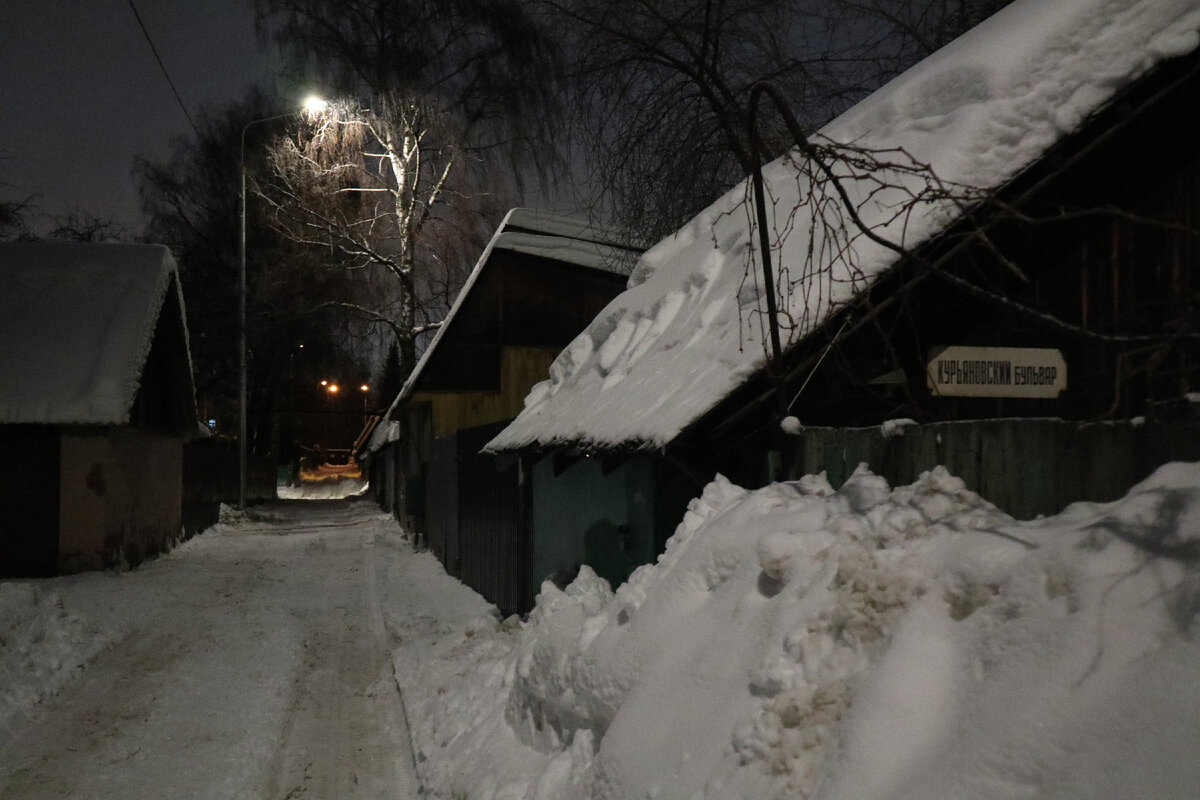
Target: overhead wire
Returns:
[[163, 67]]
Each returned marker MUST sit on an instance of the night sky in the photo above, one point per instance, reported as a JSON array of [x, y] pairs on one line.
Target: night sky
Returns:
[[81, 93]]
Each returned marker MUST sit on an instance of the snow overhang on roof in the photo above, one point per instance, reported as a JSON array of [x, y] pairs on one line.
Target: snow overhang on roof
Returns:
[[561, 237], [76, 325], [977, 112]]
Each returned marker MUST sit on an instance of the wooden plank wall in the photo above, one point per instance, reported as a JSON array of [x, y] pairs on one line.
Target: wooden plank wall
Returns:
[[521, 368], [1025, 467]]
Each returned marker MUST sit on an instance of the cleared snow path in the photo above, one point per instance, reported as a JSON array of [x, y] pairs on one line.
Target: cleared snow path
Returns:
[[252, 662]]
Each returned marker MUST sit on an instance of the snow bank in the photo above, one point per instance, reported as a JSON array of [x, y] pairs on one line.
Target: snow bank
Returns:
[[42, 647], [336, 487], [863, 643], [692, 325]]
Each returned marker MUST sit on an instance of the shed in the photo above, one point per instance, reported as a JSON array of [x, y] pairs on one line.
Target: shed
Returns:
[[96, 399], [539, 280], [1031, 186]]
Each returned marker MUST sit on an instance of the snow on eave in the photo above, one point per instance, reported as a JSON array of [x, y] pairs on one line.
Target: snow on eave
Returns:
[[77, 322], [979, 111], [578, 252], [569, 226], [564, 240], [386, 431], [187, 340]]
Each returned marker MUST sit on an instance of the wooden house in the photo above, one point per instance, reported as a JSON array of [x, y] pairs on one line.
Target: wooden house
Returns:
[[537, 283], [96, 399], [989, 263]]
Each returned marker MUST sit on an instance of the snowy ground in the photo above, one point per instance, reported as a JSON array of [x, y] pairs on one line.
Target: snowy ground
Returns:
[[794, 641], [251, 662]]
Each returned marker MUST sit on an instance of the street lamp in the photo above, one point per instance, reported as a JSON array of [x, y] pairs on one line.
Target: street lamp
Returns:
[[314, 106], [309, 104]]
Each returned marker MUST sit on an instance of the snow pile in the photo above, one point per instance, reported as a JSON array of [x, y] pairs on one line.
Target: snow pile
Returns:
[[336, 487], [692, 324], [42, 647], [863, 643]]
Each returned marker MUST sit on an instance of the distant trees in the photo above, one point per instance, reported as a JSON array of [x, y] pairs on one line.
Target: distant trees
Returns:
[[20, 220], [86, 227], [13, 223]]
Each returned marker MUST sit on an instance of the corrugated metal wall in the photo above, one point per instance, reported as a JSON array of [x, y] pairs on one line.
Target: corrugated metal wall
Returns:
[[1024, 466]]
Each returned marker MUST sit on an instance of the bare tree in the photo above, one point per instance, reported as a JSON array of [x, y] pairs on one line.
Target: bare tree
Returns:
[[444, 102], [364, 188], [13, 222], [86, 227], [663, 85]]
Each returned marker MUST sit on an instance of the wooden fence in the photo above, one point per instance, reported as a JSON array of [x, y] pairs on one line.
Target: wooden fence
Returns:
[[1024, 466]]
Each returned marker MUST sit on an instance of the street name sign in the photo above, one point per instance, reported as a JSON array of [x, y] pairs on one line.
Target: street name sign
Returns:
[[997, 372]]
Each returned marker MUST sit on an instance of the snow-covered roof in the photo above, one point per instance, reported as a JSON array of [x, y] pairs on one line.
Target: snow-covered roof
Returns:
[[76, 325], [977, 112], [562, 237]]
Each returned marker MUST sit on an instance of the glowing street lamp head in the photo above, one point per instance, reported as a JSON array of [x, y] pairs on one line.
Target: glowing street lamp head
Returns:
[[314, 106], [364, 388]]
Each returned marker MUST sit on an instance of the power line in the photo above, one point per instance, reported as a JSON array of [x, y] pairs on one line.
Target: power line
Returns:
[[163, 67]]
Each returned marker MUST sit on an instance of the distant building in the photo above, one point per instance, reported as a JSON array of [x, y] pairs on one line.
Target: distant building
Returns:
[[96, 399]]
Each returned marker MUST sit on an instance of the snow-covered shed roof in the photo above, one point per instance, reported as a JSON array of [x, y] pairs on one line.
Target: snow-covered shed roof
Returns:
[[76, 325], [691, 327], [566, 238]]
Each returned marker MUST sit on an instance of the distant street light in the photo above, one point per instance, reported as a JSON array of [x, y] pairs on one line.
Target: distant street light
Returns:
[[310, 105]]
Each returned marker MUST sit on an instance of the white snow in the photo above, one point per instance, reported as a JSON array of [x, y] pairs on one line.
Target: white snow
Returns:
[[862, 644], [87, 309], [977, 112], [333, 487], [253, 661], [869, 643], [891, 428]]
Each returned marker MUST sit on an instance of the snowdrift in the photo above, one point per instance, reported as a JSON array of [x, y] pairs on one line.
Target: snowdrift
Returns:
[[869, 642], [42, 647]]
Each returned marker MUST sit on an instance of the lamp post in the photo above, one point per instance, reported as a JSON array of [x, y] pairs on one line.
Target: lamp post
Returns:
[[312, 106]]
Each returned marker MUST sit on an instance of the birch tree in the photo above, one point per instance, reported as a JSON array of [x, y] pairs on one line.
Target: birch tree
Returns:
[[364, 188], [399, 181]]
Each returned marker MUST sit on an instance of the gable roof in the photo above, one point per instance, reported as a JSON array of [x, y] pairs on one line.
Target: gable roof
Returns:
[[977, 112], [560, 237], [76, 324]]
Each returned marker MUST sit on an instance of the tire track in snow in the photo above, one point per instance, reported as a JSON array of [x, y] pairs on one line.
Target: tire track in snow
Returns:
[[247, 665], [345, 735]]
